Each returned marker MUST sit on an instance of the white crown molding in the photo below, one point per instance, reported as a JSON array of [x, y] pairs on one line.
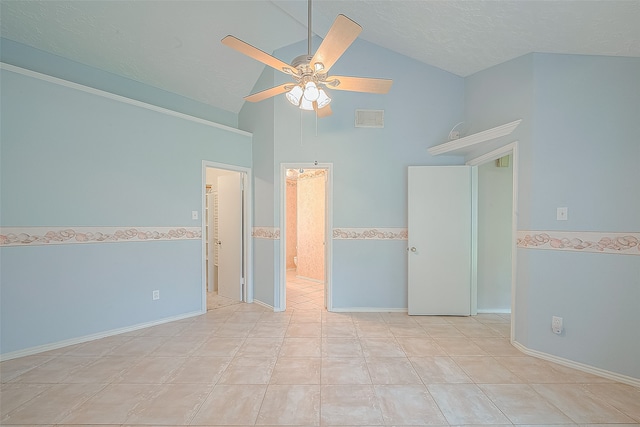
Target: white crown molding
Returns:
[[119, 98], [476, 138]]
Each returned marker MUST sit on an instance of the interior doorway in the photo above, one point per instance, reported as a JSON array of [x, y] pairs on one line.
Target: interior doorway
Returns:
[[495, 194], [484, 298], [226, 245], [305, 237]]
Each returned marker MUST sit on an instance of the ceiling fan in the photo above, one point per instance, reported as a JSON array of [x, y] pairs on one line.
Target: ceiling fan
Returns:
[[311, 72]]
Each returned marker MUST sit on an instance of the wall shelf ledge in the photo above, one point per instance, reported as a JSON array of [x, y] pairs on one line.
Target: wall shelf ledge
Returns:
[[476, 138]]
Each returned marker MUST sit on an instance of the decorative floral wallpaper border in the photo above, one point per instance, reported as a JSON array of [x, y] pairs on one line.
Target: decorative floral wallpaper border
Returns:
[[37, 236], [307, 173], [370, 234], [312, 173], [272, 233], [599, 242]]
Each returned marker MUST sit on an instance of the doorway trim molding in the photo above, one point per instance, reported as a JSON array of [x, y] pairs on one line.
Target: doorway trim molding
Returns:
[[280, 303], [511, 148], [247, 244]]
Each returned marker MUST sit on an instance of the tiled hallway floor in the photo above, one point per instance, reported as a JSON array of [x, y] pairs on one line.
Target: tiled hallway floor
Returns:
[[245, 365], [304, 293]]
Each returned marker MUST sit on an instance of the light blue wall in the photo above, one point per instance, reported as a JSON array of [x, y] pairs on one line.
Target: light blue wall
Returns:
[[579, 148], [72, 158], [24, 56], [258, 119], [587, 118], [57, 293], [370, 165]]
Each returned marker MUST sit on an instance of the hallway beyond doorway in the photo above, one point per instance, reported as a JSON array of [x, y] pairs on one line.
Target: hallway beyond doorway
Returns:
[[304, 293]]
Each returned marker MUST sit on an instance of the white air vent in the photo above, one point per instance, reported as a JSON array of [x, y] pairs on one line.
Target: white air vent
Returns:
[[369, 118]]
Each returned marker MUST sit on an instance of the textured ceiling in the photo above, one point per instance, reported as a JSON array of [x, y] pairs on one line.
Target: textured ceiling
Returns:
[[175, 45]]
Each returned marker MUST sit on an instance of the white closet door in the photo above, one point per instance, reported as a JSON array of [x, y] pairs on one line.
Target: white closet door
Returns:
[[439, 257], [230, 236]]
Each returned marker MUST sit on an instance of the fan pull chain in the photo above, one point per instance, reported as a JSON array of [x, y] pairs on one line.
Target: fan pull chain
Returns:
[[309, 30]]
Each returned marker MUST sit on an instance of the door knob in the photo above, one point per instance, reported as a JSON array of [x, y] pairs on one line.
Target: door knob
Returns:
[[413, 249]]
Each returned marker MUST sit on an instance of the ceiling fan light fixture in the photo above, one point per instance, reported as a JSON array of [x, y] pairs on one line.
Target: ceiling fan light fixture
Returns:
[[311, 72], [311, 92], [323, 99], [294, 95], [305, 104]]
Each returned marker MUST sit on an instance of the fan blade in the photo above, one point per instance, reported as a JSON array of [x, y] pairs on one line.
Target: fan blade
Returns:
[[322, 112], [268, 93], [358, 84], [340, 36], [257, 54]]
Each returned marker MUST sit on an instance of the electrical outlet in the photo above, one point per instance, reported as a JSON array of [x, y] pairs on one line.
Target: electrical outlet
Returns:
[[156, 295], [194, 214], [556, 325]]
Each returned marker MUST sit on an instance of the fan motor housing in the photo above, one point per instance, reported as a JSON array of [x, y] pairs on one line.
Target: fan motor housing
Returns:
[[303, 60]]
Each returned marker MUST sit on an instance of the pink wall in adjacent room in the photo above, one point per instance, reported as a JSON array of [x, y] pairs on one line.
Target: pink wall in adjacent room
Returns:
[[292, 222], [311, 224]]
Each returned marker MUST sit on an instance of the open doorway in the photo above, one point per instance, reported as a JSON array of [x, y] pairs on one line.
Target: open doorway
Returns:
[[495, 201], [494, 241], [305, 238], [226, 248]]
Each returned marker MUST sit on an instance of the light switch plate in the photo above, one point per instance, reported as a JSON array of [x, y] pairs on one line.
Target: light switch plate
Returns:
[[561, 214]]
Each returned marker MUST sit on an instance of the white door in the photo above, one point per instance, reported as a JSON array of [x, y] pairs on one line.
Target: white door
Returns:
[[439, 219], [230, 236]]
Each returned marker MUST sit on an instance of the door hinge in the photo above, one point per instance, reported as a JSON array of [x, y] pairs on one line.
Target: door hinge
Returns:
[[242, 181]]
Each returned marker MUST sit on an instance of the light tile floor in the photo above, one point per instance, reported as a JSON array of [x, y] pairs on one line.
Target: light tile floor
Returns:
[[303, 293], [242, 364], [218, 301]]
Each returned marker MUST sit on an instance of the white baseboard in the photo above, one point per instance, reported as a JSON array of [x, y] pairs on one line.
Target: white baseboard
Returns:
[[311, 279], [494, 311], [263, 304], [80, 340], [368, 310], [579, 366]]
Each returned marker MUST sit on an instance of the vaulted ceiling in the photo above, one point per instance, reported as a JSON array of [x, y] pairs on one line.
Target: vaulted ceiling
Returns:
[[175, 45]]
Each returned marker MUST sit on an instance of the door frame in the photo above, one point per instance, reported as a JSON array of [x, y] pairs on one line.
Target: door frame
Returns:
[[507, 149], [280, 304], [247, 244]]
